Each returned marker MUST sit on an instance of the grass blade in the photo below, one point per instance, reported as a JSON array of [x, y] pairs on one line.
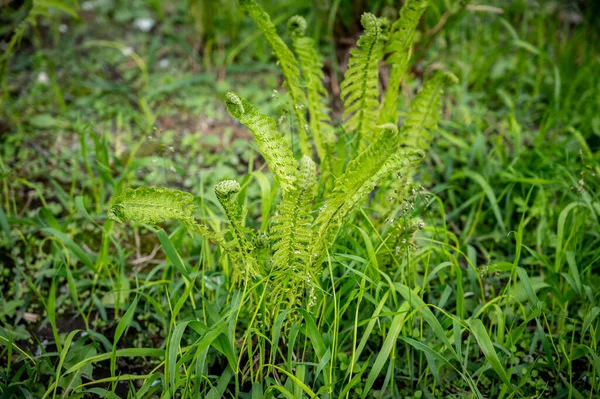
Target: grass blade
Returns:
[[386, 348], [487, 347]]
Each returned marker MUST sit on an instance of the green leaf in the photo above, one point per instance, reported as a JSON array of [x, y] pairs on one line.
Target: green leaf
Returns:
[[318, 101], [399, 50], [489, 192], [388, 344], [271, 144], [121, 327], [72, 246], [360, 87], [153, 205], [589, 319], [5, 226], [172, 253], [417, 303], [487, 347], [287, 63]]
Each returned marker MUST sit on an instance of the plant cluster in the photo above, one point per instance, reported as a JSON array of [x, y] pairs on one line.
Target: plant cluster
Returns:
[[477, 278], [299, 241]]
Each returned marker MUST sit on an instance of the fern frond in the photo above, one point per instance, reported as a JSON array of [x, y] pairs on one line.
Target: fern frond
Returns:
[[289, 68], [226, 194], [292, 234], [424, 112], [360, 88], [153, 205], [291, 230], [270, 143], [382, 157], [312, 70], [399, 51]]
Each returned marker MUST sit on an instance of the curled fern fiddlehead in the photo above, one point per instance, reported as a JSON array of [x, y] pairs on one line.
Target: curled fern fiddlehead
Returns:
[[226, 194], [289, 68], [360, 88], [270, 143]]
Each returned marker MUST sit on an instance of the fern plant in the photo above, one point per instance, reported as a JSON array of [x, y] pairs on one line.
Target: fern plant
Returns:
[[360, 88], [312, 70], [302, 233]]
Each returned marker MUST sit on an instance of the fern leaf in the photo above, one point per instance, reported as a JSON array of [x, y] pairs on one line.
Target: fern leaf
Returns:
[[312, 70], [424, 112], [270, 143], [226, 194], [399, 50], [289, 68], [153, 205], [382, 157], [360, 88], [292, 227], [292, 234]]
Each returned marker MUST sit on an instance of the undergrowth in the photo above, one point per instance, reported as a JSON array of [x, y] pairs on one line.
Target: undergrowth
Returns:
[[392, 241]]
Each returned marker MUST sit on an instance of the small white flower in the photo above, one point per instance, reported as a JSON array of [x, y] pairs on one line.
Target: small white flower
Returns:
[[43, 78], [63, 28], [127, 51], [163, 63], [144, 24]]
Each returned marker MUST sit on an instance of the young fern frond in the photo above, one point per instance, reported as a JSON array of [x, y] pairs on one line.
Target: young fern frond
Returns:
[[424, 112], [363, 173], [312, 70], [289, 68], [226, 194], [291, 230], [399, 51], [360, 88], [292, 234], [154, 205], [270, 143]]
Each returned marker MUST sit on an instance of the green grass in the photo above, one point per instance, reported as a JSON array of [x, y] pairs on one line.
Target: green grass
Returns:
[[497, 296]]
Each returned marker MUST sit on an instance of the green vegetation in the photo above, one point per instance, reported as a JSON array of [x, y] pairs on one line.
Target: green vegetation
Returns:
[[198, 202]]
